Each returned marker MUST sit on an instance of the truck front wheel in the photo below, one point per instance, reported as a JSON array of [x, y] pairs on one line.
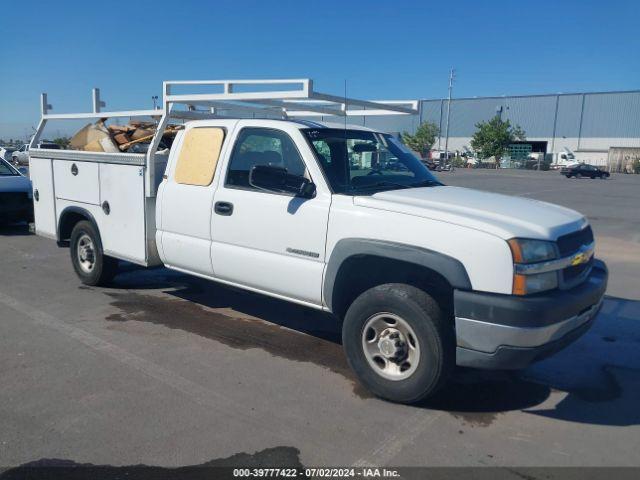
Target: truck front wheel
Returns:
[[398, 342], [90, 263]]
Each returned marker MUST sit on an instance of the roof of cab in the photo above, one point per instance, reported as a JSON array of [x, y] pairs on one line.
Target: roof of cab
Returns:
[[341, 126], [299, 123]]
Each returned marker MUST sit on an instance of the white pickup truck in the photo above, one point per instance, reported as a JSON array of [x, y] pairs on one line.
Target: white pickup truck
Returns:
[[335, 217]]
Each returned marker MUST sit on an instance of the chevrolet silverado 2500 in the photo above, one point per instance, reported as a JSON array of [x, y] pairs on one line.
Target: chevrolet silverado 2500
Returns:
[[340, 218]]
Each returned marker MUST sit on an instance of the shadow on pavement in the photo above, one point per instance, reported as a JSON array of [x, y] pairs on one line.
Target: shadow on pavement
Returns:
[[53, 468], [595, 380], [235, 302], [600, 372]]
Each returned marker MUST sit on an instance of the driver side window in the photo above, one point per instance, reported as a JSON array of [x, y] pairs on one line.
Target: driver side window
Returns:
[[262, 146]]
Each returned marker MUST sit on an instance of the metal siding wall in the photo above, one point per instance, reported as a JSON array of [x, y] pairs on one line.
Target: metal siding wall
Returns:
[[466, 113], [393, 123], [611, 115], [534, 114], [568, 124], [431, 111]]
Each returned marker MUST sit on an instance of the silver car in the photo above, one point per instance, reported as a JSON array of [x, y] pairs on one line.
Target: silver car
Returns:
[[21, 156]]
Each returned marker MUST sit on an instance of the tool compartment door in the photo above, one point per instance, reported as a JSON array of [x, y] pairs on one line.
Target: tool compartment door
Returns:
[[41, 175], [121, 218], [77, 181]]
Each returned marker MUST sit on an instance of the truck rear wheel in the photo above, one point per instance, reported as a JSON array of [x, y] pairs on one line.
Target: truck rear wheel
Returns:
[[398, 342], [90, 263]]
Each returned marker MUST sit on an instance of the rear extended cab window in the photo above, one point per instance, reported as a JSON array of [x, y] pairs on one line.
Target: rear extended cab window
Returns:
[[199, 155]]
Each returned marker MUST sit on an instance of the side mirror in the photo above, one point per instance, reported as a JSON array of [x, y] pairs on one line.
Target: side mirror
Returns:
[[23, 171], [277, 179]]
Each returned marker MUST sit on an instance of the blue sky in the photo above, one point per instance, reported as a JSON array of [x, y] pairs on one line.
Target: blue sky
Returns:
[[390, 49]]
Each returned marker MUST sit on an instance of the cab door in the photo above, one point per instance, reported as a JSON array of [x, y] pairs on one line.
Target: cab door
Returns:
[[185, 197], [271, 242]]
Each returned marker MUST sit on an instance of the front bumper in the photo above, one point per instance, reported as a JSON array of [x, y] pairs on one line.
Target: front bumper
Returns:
[[510, 332]]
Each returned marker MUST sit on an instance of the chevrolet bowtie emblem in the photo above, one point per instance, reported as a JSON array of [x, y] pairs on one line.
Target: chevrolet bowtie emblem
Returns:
[[582, 256], [578, 259]]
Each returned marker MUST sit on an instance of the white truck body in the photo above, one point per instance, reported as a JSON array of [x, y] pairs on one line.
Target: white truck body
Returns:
[[504, 303], [565, 158], [128, 232]]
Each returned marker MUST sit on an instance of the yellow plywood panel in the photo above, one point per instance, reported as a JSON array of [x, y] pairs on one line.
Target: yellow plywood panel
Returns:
[[199, 155]]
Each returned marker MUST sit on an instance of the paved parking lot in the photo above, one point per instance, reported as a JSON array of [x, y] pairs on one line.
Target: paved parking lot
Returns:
[[171, 370]]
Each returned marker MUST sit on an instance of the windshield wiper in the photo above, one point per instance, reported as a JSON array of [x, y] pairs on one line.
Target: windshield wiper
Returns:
[[386, 183], [426, 183], [383, 183]]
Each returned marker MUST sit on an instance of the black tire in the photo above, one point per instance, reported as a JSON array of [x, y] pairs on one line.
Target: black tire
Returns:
[[103, 268], [568, 176], [434, 334]]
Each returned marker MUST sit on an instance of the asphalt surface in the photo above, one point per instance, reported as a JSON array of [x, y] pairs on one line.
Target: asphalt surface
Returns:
[[165, 369]]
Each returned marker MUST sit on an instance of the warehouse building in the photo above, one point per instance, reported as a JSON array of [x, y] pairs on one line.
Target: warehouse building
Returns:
[[587, 124]]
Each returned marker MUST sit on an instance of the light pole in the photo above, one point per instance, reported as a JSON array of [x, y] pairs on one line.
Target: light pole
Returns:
[[446, 141]]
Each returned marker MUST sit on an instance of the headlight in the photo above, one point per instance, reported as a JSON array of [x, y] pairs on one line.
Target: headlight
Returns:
[[526, 284], [532, 251]]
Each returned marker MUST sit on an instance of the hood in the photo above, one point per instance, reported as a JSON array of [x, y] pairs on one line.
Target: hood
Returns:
[[501, 215], [14, 183]]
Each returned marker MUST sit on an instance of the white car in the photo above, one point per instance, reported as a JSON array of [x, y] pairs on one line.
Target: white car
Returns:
[[16, 202], [6, 152], [21, 156]]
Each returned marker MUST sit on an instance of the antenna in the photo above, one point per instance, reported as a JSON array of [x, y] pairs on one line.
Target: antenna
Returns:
[[345, 108]]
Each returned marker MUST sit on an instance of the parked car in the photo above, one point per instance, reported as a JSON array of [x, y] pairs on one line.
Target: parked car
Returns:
[[430, 164], [423, 276], [21, 156], [16, 199], [6, 152], [437, 165], [584, 170]]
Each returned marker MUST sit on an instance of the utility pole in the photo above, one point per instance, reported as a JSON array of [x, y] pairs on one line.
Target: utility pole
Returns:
[[446, 141]]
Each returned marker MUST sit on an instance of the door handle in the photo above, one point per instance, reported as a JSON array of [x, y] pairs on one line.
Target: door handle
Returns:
[[223, 208]]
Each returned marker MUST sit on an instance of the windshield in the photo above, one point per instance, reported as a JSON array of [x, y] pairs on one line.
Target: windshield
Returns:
[[7, 170], [361, 162]]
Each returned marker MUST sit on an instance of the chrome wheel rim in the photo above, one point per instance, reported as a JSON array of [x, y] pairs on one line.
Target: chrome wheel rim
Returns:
[[390, 346], [86, 253]]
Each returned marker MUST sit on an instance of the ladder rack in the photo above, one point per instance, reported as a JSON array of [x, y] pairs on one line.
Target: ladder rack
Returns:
[[279, 98]]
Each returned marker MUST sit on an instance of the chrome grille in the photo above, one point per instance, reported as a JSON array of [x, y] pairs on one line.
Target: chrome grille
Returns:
[[568, 245]]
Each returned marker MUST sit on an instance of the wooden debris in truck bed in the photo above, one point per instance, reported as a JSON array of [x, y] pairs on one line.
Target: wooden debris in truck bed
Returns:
[[94, 137], [98, 137]]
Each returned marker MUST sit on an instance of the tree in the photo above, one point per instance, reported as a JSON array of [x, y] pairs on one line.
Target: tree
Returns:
[[492, 138], [62, 141], [423, 139]]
